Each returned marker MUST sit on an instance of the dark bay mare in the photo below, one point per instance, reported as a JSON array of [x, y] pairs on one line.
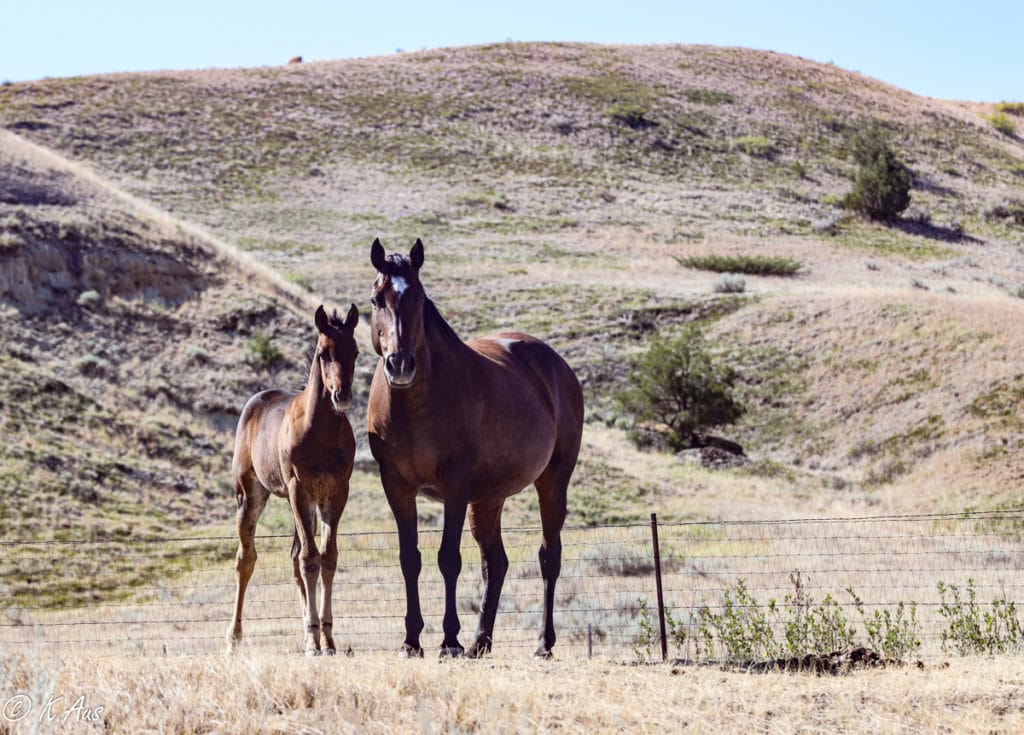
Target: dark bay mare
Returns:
[[468, 424], [299, 445]]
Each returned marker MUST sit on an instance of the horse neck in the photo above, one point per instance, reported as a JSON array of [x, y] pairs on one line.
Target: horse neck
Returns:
[[441, 344], [316, 403]]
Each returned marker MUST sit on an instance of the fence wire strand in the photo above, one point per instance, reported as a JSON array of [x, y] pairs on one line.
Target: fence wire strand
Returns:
[[166, 596]]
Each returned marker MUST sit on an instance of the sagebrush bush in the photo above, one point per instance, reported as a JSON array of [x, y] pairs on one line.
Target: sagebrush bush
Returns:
[[631, 115], [261, 350], [881, 188], [678, 385], [1011, 108], [750, 265], [730, 283], [1002, 122], [756, 146]]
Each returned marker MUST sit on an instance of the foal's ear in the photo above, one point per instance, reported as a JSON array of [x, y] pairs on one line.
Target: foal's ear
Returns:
[[352, 319], [320, 318], [416, 254], [377, 258]]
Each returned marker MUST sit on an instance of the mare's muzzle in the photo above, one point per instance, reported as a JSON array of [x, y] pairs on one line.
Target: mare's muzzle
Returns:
[[399, 369]]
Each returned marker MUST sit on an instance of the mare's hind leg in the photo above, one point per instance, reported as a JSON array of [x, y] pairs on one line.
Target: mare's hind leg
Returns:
[[485, 524], [331, 513], [252, 499], [307, 561], [552, 492]]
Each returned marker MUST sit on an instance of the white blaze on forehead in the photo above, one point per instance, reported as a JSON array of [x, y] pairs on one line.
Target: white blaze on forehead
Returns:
[[399, 284]]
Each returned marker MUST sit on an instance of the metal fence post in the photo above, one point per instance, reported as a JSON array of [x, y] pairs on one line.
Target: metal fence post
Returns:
[[657, 580]]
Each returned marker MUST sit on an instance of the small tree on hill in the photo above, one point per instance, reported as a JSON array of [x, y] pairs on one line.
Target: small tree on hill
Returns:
[[678, 386], [881, 188]]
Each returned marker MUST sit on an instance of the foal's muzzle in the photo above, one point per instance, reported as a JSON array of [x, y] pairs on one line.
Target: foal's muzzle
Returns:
[[399, 369], [341, 400]]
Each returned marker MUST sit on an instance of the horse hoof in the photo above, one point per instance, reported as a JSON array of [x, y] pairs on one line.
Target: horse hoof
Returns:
[[452, 652], [328, 652], [478, 650], [410, 652], [311, 652], [543, 654]]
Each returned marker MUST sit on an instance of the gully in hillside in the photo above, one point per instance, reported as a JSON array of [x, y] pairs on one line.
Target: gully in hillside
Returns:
[[299, 445], [468, 424]]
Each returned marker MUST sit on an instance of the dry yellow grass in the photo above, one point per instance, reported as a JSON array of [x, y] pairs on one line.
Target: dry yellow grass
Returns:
[[380, 694]]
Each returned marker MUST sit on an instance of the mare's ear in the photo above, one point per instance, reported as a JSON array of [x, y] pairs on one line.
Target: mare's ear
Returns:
[[320, 318], [352, 319], [377, 258], [416, 254]]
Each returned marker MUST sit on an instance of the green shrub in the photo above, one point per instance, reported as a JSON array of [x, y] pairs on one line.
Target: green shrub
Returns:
[[1010, 210], [756, 146], [750, 265], [1011, 108], [299, 280], [1002, 122], [881, 188], [631, 115], [677, 385], [742, 630], [970, 630], [261, 350], [702, 96]]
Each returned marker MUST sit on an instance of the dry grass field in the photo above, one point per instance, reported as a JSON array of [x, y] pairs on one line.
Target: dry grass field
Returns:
[[164, 238], [380, 694]]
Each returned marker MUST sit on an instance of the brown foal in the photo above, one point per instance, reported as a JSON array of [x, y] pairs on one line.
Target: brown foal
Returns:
[[299, 445]]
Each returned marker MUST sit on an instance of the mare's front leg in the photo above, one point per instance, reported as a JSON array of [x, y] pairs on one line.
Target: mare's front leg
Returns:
[[449, 559], [331, 512], [307, 561], [402, 498]]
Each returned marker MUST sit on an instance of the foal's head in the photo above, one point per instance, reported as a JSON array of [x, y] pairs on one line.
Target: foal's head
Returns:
[[396, 324], [336, 355]]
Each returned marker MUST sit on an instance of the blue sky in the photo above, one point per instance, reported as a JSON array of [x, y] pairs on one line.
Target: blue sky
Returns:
[[955, 50]]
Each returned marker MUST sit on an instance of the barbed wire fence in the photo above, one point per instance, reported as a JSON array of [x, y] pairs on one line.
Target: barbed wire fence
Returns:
[[175, 596]]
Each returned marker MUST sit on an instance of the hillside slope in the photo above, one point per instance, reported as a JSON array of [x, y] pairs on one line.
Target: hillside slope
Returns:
[[125, 360], [555, 187]]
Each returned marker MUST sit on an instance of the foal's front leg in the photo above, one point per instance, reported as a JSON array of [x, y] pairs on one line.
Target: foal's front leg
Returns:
[[308, 561], [331, 513]]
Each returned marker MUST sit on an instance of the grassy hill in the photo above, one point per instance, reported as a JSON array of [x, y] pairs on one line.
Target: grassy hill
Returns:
[[557, 188]]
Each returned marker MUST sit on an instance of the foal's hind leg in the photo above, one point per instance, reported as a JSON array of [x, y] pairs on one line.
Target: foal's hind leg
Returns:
[[485, 524], [252, 498], [552, 487]]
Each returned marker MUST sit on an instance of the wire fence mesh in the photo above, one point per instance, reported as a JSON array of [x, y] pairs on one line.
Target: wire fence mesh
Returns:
[[175, 596]]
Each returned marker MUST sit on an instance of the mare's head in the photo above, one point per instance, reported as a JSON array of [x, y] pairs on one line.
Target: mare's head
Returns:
[[336, 355], [396, 324]]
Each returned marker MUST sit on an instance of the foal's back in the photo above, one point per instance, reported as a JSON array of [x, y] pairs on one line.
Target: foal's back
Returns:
[[257, 439]]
